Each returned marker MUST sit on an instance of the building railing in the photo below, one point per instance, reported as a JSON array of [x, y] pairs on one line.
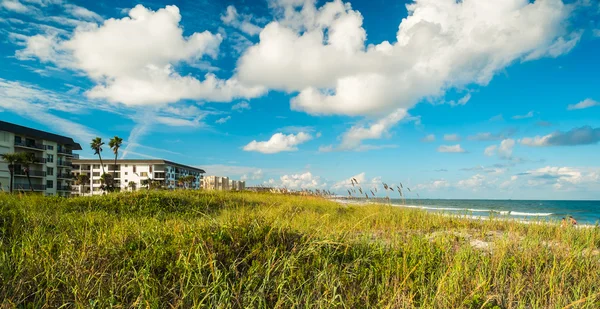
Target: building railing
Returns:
[[39, 160], [75, 156], [30, 145], [63, 188], [65, 151], [64, 163], [31, 173], [25, 186], [66, 176]]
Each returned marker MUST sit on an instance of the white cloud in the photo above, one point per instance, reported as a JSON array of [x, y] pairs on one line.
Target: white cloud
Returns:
[[82, 13], [528, 115], [15, 6], [429, 138], [241, 106], [585, 135], [504, 150], [232, 171], [240, 21], [451, 137], [587, 103], [279, 142], [353, 138], [474, 183], [453, 149], [321, 52], [302, 181], [461, 101], [361, 180], [433, 185], [223, 120], [565, 178], [255, 175], [35, 103], [132, 59]]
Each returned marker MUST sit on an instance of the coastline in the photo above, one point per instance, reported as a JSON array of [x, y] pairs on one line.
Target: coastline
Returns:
[[467, 213]]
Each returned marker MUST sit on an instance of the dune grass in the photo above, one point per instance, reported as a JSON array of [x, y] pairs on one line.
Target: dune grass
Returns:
[[187, 249]]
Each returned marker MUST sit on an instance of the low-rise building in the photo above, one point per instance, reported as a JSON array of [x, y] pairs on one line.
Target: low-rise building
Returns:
[[51, 173], [134, 174], [222, 183]]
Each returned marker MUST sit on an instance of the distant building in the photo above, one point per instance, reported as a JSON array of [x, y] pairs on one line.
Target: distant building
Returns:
[[51, 175], [140, 173], [221, 183]]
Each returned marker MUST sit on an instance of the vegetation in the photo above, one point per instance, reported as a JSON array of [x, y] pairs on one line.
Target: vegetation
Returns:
[[24, 159], [96, 146], [114, 144], [188, 248]]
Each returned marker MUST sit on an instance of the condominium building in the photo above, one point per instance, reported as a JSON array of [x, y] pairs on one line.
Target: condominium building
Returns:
[[134, 174], [51, 174], [222, 183]]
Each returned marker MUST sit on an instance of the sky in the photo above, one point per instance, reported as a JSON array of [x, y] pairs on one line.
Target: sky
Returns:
[[495, 99]]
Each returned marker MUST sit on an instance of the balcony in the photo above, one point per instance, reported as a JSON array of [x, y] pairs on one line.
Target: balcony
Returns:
[[31, 173], [33, 146], [64, 176], [64, 151], [63, 188], [25, 186], [64, 163]]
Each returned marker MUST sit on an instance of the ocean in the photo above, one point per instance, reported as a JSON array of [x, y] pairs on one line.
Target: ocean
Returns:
[[585, 212]]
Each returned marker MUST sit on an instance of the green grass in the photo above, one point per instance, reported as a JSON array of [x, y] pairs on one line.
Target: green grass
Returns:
[[231, 250]]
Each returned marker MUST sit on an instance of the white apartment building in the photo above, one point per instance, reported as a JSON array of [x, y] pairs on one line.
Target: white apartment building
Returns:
[[51, 174], [222, 183], [139, 173]]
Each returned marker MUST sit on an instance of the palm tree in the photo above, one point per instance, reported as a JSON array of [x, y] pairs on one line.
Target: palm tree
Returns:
[[132, 185], [11, 159], [145, 182], [28, 158], [82, 180], [107, 181], [115, 144], [96, 145]]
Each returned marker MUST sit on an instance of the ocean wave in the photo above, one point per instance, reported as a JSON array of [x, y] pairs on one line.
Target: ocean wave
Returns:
[[492, 211], [530, 214]]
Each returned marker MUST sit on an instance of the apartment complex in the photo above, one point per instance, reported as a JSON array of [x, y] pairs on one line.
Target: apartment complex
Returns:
[[134, 174], [51, 174], [222, 184]]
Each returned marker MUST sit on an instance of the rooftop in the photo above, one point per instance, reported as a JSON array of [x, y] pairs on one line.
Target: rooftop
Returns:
[[137, 161], [15, 128]]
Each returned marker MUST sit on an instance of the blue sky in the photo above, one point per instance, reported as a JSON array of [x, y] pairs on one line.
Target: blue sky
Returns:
[[494, 99]]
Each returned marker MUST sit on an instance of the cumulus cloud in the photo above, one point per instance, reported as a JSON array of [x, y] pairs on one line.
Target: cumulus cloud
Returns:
[[433, 185], [243, 22], [452, 148], [223, 120], [302, 181], [132, 59], [504, 150], [530, 114], [451, 137], [429, 138], [361, 179], [585, 135], [564, 177], [474, 183], [279, 142], [241, 106], [353, 138], [320, 52], [587, 103]]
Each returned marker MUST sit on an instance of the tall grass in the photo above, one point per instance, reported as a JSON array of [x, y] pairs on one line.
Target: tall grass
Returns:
[[210, 249]]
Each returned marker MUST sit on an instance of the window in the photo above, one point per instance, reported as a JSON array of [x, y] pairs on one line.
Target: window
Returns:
[[96, 174], [49, 147], [49, 171], [125, 165], [96, 181], [133, 168], [143, 174], [95, 166], [3, 136], [17, 139], [50, 158], [49, 184], [127, 182], [125, 173]]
